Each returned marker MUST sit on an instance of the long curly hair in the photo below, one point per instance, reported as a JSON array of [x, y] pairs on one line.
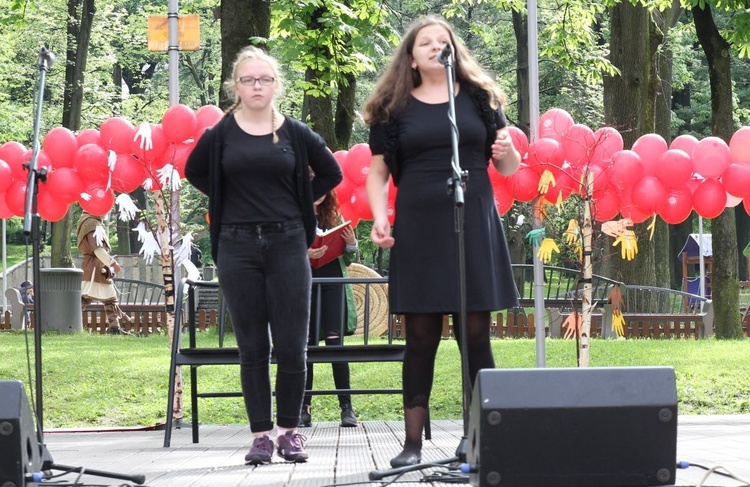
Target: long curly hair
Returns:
[[394, 87], [327, 211]]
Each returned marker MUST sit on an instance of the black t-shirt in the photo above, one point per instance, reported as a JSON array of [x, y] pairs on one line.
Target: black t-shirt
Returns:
[[258, 177]]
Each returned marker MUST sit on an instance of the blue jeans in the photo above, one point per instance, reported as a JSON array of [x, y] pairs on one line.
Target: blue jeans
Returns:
[[265, 277]]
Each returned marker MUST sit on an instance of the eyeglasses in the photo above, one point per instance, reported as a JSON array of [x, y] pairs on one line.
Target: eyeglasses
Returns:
[[250, 81]]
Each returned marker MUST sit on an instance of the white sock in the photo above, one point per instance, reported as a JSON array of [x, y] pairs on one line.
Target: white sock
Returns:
[[282, 431], [261, 433]]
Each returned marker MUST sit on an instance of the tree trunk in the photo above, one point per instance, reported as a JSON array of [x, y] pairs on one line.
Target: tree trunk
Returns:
[[80, 17], [318, 111], [663, 126], [629, 101], [344, 121], [725, 289], [240, 20]]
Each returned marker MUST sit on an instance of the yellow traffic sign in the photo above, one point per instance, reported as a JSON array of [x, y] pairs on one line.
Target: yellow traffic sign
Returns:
[[188, 33]]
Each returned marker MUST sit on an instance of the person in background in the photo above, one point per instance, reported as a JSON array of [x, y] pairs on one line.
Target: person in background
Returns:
[[99, 267], [254, 165], [27, 292], [338, 310], [410, 139]]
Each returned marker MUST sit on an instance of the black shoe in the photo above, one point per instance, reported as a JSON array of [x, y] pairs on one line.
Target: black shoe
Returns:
[[348, 418], [305, 418], [406, 458]]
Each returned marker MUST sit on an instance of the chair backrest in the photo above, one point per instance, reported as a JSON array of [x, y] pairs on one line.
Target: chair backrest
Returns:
[[17, 309]]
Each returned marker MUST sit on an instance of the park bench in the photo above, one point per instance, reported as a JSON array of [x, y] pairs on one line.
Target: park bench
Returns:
[[142, 301], [655, 312], [373, 349]]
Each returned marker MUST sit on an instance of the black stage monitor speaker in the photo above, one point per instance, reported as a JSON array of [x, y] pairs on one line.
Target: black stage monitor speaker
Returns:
[[19, 448], [573, 427]]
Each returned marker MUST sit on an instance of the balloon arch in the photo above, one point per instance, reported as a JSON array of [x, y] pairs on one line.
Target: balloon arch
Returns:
[[650, 178]]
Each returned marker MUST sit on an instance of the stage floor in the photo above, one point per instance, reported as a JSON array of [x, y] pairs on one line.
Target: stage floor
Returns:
[[341, 456]]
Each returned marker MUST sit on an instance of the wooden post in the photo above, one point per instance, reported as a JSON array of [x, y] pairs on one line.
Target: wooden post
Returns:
[[164, 239], [587, 300]]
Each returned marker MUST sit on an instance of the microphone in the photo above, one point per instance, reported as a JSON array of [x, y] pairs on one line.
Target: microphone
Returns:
[[446, 55], [47, 56]]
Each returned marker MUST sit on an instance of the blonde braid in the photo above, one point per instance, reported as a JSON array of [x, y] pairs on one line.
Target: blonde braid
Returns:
[[273, 125], [233, 108]]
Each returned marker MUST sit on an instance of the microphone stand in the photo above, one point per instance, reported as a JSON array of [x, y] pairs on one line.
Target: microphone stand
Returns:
[[456, 186], [31, 227]]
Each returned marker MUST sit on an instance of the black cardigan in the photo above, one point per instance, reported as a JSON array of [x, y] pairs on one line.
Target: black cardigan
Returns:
[[493, 121], [203, 170]]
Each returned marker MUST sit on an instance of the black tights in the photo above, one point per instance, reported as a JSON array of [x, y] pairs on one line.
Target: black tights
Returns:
[[423, 334]]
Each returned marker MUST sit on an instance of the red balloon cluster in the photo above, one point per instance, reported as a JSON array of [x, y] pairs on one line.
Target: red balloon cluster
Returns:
[[88, 168], [649, 178]]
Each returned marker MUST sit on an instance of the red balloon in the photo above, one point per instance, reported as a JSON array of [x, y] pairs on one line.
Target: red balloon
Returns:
[[545, 154], [520, 140], [88, 136], [158, 144], [42, 161], [709, 198], [679, 205], [12, 152], [503, 197], [736, 180], [745, 205], [179, 123], [739, 146], [359, 203], [606, 206], [626, 169], [92, 163], [340, 156], [607, 141], [48, 207], [525, 183], [629, 209], [554, 124], [344, 190], [674, 168], [577, 144], [711, 157], [567, 183], [6, 176], [650, 147], [357, 165], [65, 185], [100, 201], [181, 153], [116, 133], [207, 116], [649, 195], [684, 142], [347, 213], [5, 212], [128, 173], [15, 198], [60, 144], [601, 179]]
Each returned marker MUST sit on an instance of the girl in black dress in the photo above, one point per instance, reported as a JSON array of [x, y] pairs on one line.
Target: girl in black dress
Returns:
[[254, 165], [338, 309], [410, 139]]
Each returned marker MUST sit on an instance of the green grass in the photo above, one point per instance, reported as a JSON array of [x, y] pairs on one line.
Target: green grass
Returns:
[[16, 254], [100, 381]]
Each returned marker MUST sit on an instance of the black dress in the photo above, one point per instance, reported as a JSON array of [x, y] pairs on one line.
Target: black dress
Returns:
[[423, 276]]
